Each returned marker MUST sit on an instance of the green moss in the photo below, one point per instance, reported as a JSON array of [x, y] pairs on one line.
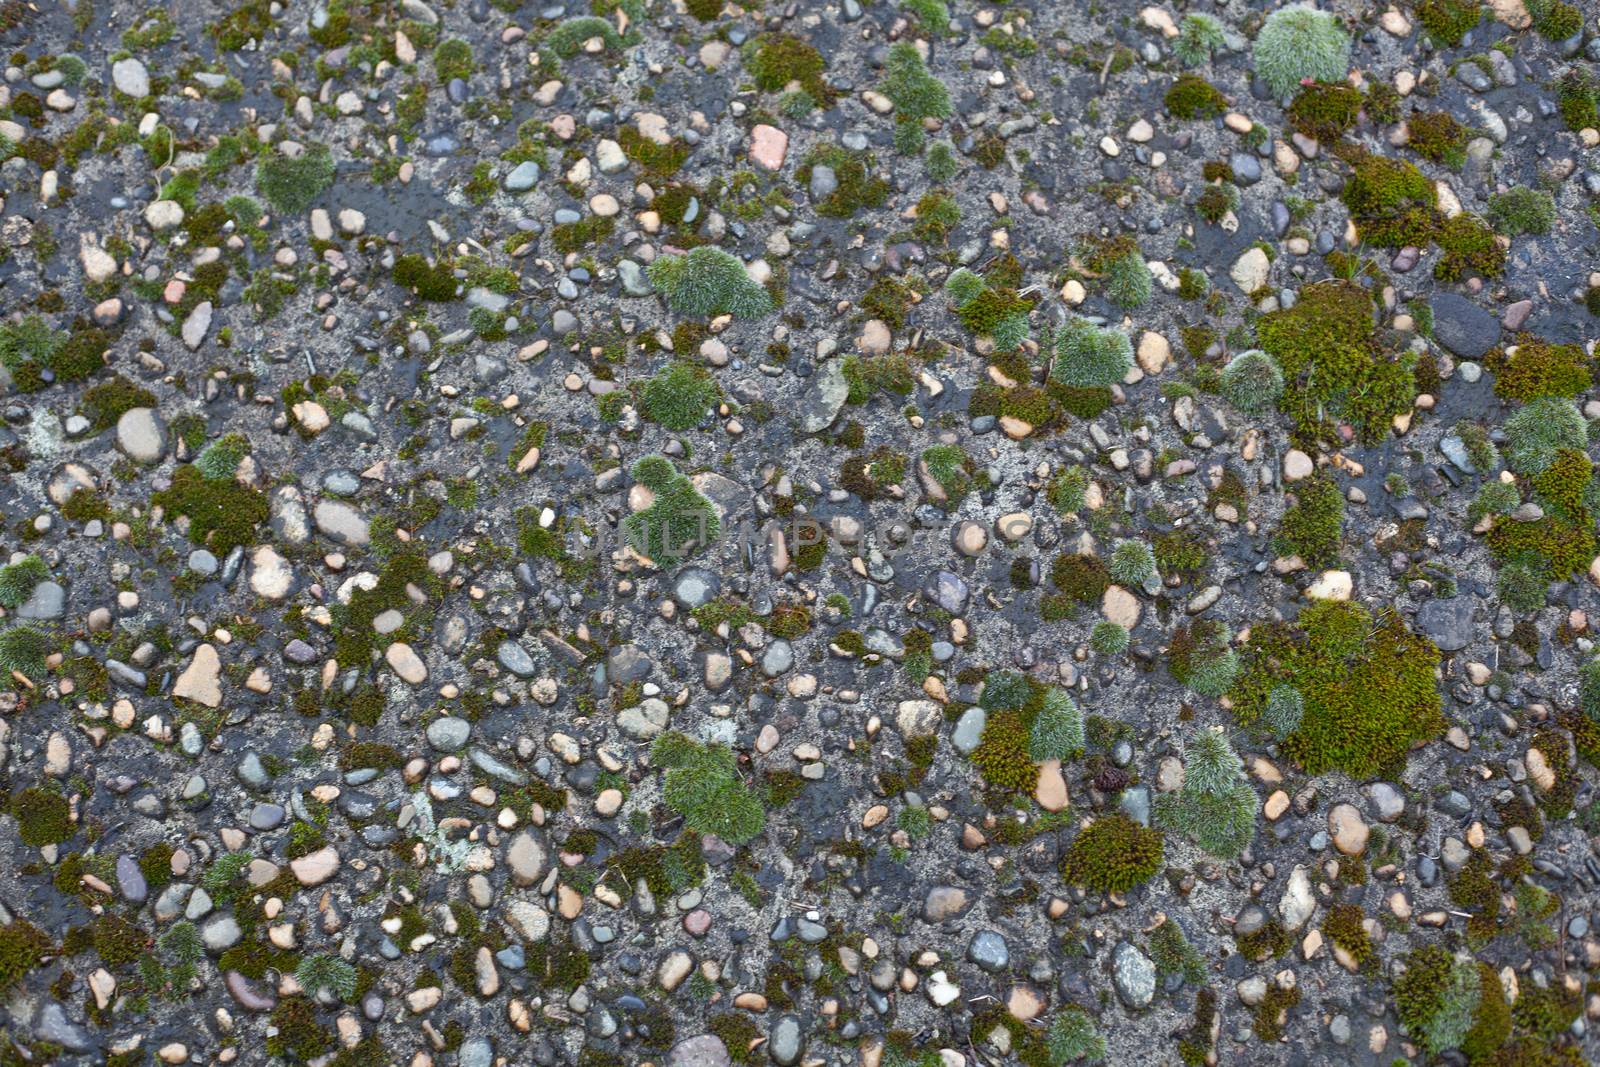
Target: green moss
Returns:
[[1437, 136], [677, 522], [1124, 276], [1537, 431], [291, 186], [436, 283], [299, 1036], [452, 59], [1081, 576], [44, 817], [118, 941], [566, 38], [23, 650], [1367, 687], [1199, 656], [917, 94], [1549, 547], [1469, 247], [1002, 753], [1556, 20], [1311, 525], [706, 282], [1192, 97], [1391, 202], [1448, 21], [1534, 367], [1578, 100], [1216, 805], [222, 514], [703, 785], [1521, 210], [1086, 356], [1299, 43], [1325, 112], [1113, 855], [22, 947], [1334, 366], [17, 580], [858, 186], [679, 396], [781, 60], [1343, 925]]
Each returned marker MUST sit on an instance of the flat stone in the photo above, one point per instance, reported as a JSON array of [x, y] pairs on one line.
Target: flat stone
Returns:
[[141, 435], [343, 523], [1134, 975], [131, 78], [406, 663], [1447, 623], [1463, 327], [201, 681], [316, 867], [707, 1050], [768, 146]]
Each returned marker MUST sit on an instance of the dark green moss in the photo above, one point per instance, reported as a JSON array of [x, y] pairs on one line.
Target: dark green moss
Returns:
[[222, 515], [1367, 686], [1334, 366], [1391, 202], [1469, 246], [1448, 21], [1325, 111], [1311, 525], [1192, 97], [44, 816], [1113, 855]]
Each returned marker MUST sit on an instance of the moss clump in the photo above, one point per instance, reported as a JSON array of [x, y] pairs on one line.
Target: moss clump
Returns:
[[291, 186], [1299, 43], [1252, 382], [220, 460], [1002, 753], [44, 817], [118, 941], [1578, 100], [989, 308], [222, 514], [1536, 432], [432, 282], [1325, 111], [1216, 806], [567, 37], [22, 946], [1113, 855], [858, 186], [1532, 368], [782, 61], [1199, 35], [1367, 687], [1192, 97], [36, 353], [17, 580], [452, 59], [1448, 21], [23, 650], [1437, 136], [103, 404], [916, 93], [1556, 20], [1391, 202], [1469, 246], [1086, 356], [1521, 210], [702, 784], [299, 1036], [951, 469], [1333, 364], [677, 522], [705, 282], [679, 397], [1081, 576], [1344, 928], [1201, 658], [1124, 276], [1312, 523]]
